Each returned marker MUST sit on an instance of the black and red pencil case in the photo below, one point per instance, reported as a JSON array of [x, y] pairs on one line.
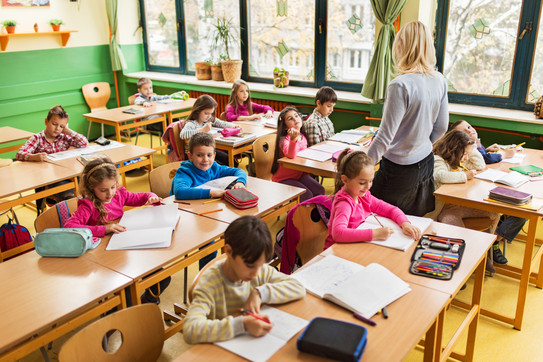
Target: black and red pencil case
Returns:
[[437, 256]]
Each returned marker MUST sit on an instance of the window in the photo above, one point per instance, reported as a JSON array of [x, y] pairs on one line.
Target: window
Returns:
[[486, 55], [318, 41]]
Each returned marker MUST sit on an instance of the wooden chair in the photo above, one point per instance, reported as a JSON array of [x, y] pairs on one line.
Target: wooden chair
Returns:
[[50, 218], [150, 132], [142, 333], [263, 151], [160, 178], [223, 116], [312, 230], [96, 95]]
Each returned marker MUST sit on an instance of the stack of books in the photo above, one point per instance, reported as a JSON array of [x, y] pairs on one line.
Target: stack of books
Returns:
[[509, 196]]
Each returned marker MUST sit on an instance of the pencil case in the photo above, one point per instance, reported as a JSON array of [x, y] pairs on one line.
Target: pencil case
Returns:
[[64, 243], [227, 132], [241, 198], [437, 256]]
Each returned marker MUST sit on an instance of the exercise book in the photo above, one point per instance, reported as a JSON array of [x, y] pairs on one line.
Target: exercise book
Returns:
[[285, 326], [513, 178], [146, 228], [364, 290], [74, 152], [397, 240]]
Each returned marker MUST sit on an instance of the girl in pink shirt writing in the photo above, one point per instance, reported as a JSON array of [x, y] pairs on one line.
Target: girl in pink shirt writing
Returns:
[[241, 107], [290, 141], [353, 203]]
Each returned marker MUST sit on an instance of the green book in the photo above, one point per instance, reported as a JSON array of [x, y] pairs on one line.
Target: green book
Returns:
[[529, 170]]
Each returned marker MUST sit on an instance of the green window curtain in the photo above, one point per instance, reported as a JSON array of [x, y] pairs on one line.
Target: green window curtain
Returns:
[[117, 57], [380, 71]]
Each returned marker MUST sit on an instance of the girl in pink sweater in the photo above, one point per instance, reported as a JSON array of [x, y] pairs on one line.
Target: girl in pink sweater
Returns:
[[353, 203], [241, 108], [290, 141]]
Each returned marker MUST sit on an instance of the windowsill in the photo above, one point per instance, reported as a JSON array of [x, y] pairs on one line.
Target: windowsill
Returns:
[[353, 97]]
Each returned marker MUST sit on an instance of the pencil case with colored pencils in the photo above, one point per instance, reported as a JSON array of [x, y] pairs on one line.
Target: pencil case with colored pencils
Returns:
[[437, 256]]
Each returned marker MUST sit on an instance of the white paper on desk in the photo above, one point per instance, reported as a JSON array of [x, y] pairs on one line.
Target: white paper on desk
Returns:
[[328, 147], [349, 136], [397, 240], [74, 152], [517, 158], [262, 348], [314, 155], [148, 227], [218, 183]]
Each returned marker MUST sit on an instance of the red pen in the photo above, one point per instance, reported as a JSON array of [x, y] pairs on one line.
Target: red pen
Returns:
[[245, 311]]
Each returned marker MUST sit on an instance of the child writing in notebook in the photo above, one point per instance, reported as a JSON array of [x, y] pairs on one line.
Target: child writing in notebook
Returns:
[[318, 126], [201, 119], [243, 280], [453, 165], [291, 140], [102, 204], [353, 203], [241, 108]]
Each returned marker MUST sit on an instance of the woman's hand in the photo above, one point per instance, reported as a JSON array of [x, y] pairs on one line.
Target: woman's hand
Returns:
[[410, 230]]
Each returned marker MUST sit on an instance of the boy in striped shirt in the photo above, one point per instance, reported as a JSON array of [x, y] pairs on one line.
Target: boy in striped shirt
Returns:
[[243, 280]]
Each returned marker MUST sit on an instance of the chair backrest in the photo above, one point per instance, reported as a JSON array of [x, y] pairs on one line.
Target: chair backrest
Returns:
[[312, 230], [479, 223], [223, 116], [97, 95], [263, 151], [142, 332], [197, 277], [132, 99], [160, 178], [50, 217]]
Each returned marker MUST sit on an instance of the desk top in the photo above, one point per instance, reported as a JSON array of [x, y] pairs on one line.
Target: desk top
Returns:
[[398, 262], [40, 292], [117, 114], [23, 176], [192, 231], [270, 195], [10, 134], [391, 340]]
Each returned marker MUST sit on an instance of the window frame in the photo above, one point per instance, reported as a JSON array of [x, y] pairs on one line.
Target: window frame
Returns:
[[522, 61]]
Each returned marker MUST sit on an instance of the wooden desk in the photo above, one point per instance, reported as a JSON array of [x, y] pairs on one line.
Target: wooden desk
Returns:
[[274, 199], [320, 168], [49, 297], [232, 150], [24, 176], [115, 116], [10, 134], [118, 155], [398, 262], [472, 194]]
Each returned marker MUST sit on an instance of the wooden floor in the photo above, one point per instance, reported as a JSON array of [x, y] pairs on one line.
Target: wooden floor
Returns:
[[495, 341]]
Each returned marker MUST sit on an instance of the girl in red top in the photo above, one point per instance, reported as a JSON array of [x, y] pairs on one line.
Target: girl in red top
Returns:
[[290, 141]]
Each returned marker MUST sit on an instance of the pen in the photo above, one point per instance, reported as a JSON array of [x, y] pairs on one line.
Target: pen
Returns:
[[385, 312], [375, 216], [464, 167], [209, 212], [364, 319], [181, 202], [208, 201], [520, 144], [245, 311]]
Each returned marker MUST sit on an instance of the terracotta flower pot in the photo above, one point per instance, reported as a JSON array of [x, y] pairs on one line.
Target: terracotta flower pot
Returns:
[[203, 71], [216, 73], [284, 79], [10, 29], [55, 27]]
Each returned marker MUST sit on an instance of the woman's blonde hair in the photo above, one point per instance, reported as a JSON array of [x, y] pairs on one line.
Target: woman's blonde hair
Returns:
[[93, 174], [413, 50]]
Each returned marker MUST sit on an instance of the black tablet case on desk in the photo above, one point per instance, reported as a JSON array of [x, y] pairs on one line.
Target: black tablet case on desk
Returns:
[[331, 338]]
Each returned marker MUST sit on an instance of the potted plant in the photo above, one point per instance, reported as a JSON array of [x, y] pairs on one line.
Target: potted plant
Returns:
[[203, 69], [216, 69], [280, 77], [223, 36], [10, 26], [55, 24]]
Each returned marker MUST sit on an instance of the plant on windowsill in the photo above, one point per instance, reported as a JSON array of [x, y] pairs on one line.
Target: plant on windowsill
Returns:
[[280, 78], [216, 69], [224, 34], [10, 26], [203, 69], [55, 24]]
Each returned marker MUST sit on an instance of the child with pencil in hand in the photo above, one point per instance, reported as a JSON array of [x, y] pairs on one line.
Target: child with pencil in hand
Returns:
[[489, 154], [241, 108], [353, 203], [291, 140], [243, 281], [102, 204], [201, 119], [318, 126]]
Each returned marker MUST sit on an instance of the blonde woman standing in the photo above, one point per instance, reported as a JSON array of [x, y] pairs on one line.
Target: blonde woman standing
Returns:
[[415, 115]]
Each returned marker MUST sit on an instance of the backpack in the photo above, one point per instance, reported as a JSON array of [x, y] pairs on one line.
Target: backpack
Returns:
[[13, 235], [538, 108]]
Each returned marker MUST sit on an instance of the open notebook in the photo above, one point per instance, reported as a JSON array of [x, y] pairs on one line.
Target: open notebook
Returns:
[[398, 240], [513, 178], [365, 290], [146, 228], [262, 348]]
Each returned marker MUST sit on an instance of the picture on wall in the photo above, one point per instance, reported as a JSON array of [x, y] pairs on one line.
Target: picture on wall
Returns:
[[25, 2]]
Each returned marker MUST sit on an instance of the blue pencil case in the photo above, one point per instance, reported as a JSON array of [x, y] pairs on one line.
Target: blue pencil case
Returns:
[[335, 339]]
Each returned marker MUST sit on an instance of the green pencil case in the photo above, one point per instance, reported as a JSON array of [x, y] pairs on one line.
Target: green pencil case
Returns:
[[437, 256], [64, 243]]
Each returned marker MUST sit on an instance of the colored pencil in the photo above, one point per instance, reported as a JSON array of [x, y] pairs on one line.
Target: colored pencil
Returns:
[[208, 201], [181, 202], [245, 311], [209, 212]]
